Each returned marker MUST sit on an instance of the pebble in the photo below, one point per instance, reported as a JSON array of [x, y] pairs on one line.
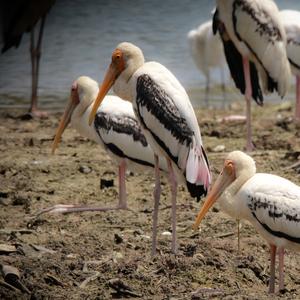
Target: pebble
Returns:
[[85, 169]]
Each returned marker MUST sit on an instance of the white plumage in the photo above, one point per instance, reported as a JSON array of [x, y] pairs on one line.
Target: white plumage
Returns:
[[269, 202], [253, 38], [291, 23], [115, 128], [207, 52], [168, 121]]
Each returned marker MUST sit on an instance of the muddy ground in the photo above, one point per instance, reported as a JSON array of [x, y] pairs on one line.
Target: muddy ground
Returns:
[[78, 256]]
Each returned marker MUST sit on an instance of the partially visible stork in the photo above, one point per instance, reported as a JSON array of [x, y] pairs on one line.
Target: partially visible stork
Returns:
[[18, 17], [291, 23], [269, 202], [207, 52], [254, 42]]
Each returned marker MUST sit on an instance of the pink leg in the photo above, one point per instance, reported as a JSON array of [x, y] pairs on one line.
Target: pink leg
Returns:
[[122, 186], [70, 208], [272, 269], [281, 269], [248, 95], [173, 184], [156, 194], [297, 112]]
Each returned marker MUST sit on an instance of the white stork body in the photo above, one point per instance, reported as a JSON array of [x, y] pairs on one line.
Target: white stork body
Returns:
[[207, 52], [253, 38], [168, 121], [115, 128], [269, 202], [291, 23]]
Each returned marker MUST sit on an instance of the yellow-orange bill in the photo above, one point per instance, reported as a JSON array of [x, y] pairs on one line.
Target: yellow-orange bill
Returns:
[[222, 182], [65, 120], [107, 83]]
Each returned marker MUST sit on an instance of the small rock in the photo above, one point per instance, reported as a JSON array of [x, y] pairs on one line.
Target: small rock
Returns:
[[85, 169], [166, 233], [118, 239], [6, 249], [219, 148], [106, 183], [117, 256]]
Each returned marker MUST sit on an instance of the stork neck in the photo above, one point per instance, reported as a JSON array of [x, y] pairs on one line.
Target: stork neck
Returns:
[[123, 86], [80, 121], [228, 201]]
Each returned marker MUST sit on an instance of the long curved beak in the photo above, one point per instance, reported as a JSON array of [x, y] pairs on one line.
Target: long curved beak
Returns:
[[65, 120], [222, 182], [107, 83]]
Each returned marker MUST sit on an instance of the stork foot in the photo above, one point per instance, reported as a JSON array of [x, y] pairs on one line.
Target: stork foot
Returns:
[[35, 113], [70, 208]]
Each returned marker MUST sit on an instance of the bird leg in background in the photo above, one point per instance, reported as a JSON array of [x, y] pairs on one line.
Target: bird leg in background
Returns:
[[207, 88], [248, 96], [238, 234], [122, 186], [281, 268], [222, 72], [35, 62], [297, 110], [272, 269], [156, 195], [173, 184]]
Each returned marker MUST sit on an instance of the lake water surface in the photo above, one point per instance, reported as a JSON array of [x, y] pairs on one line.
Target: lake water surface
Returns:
[[81, 34]]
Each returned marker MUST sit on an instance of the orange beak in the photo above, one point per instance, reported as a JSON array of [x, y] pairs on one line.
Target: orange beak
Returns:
[[225, 178], [109, 79], [65, 120]]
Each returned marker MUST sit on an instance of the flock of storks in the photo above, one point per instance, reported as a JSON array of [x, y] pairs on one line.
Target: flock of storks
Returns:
[[159, 130]]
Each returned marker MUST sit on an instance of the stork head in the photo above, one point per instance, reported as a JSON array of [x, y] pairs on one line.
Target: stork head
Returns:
[[126, 59], [237, 165], [83, 91]]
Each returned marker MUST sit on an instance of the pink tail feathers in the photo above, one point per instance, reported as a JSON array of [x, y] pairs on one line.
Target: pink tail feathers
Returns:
[[197, 169]]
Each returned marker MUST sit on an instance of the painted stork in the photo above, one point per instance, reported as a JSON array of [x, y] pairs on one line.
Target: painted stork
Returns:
[[18, 17], [115, 128], [254, 39], [291, 23], [167, 118], [269, 202], [207, 52]]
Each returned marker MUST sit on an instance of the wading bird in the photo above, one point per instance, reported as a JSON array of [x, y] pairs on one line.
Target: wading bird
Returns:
[[269, 202], [115, 128], [18, 17], [291, 23], [207, 52], [255, 47], [167, 118]]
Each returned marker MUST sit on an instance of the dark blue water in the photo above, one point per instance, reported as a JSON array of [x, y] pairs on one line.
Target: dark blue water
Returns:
[[81, 34]]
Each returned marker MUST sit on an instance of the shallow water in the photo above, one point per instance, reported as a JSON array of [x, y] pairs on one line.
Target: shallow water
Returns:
[[80, 36]]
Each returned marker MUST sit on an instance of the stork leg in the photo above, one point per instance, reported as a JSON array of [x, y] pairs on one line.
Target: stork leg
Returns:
[[248, 95], [122, 186], [281, 268], [70, 208], [35, 62], [222, 72], [238, 234], [297, 111], [173, 184], [272, 269], [156, 194], [207, 88]]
